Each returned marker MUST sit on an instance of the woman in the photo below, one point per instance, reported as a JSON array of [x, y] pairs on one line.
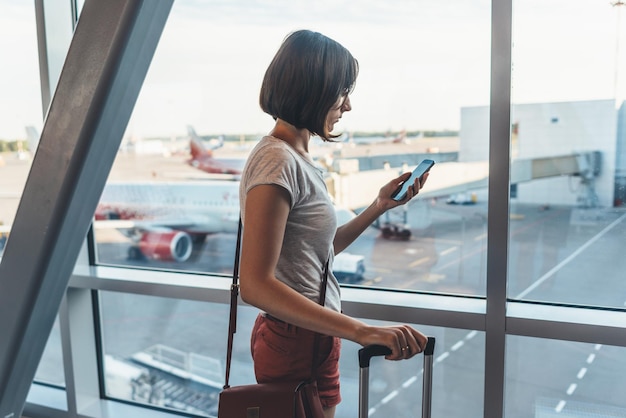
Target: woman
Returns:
[[290, 228]]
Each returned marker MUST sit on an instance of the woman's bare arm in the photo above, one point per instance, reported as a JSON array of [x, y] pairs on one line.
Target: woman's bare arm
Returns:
[[267, 208], [346, 234]]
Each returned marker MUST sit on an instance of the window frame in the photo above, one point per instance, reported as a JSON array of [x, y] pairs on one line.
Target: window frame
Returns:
[[494, 314]]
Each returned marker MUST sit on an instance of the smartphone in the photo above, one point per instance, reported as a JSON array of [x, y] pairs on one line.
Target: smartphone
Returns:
[[419, 171]]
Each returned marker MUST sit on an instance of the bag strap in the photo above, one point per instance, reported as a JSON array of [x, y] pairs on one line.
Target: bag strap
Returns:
[[234, 294], [322, 302]]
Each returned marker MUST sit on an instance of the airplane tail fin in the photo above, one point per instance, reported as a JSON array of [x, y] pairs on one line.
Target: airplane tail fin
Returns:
[[195, 144], [192, 133], [197, 149], [33, 138]]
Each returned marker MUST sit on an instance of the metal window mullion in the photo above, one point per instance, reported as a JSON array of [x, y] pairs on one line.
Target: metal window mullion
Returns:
[[80, 360], [498, 207]]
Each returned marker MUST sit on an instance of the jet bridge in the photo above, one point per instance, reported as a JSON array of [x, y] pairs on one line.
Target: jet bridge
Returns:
[[585, 165], [357, 189]]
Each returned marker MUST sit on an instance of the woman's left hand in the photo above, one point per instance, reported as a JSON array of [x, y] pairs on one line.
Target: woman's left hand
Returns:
[[384, 199]]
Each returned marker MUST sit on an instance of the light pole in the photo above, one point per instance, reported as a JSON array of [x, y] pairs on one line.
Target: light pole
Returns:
[[620, 166], [616, 78]]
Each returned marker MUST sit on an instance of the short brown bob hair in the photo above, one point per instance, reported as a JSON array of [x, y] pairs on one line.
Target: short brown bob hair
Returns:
[[307, 76]]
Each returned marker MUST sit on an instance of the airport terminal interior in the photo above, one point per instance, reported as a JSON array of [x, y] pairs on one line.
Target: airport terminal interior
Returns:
[[124, 127]]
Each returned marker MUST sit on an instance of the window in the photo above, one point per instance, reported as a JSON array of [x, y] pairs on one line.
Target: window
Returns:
[[171, 353], [562, 244], [419, 65], [584, 379], [20, 108], [20, 122], [166, 352], [565, 230]]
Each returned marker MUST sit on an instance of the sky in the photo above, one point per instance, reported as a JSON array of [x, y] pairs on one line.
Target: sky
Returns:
[[420, 61]]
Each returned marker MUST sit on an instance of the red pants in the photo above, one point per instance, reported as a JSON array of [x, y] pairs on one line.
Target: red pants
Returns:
[[282, 351]]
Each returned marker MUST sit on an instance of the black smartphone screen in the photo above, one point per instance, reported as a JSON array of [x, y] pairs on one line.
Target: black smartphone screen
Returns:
[[419, 171]]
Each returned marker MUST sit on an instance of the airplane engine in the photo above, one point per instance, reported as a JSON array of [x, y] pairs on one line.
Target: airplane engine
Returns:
[[166, 246]]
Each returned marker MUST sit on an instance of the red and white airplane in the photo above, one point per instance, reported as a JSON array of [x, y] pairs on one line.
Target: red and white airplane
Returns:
[[167, 220], [203, 159]]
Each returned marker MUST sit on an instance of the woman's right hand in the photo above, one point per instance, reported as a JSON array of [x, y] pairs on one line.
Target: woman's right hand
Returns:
[[404, 341]]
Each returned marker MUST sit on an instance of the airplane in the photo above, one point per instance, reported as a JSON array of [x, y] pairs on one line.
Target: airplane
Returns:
[[400, 138], [167, 221], [202, 157], [210, 144]]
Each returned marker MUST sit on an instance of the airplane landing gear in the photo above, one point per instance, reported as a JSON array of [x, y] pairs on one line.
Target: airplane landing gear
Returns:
[[134, 253], [395, 231]]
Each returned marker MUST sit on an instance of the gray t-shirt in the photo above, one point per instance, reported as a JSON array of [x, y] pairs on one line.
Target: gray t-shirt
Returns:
[[312, 221]]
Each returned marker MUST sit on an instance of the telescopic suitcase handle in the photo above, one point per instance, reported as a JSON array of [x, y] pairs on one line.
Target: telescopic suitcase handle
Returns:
[[366, 354]]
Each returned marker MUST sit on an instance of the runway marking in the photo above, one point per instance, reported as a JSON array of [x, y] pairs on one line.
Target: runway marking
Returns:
[[413, 251], [442, 357], [480, 237], [454, 242], [434, 278], [571, 388], [427, 278], [453, 249], [457, 345], [570, 258], [389, 397], [394, 393], [560, 406], [581, 373], [410, 381], [413, 379], [419, 261]]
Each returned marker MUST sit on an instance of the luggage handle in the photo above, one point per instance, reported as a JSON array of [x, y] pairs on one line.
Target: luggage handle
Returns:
[[365, 355]]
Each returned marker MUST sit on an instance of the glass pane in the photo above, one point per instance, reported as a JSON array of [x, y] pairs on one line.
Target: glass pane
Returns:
[[50, 370], [548, 378], [20, 105], [566, 228], [420, 63], [164, 352], [171, 353], [395, 388]]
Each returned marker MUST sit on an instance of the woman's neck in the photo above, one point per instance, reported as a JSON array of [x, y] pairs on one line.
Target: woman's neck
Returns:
[[297, 138]]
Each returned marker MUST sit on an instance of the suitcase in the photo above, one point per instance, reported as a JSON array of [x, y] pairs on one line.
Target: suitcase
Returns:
[[366, 353]]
